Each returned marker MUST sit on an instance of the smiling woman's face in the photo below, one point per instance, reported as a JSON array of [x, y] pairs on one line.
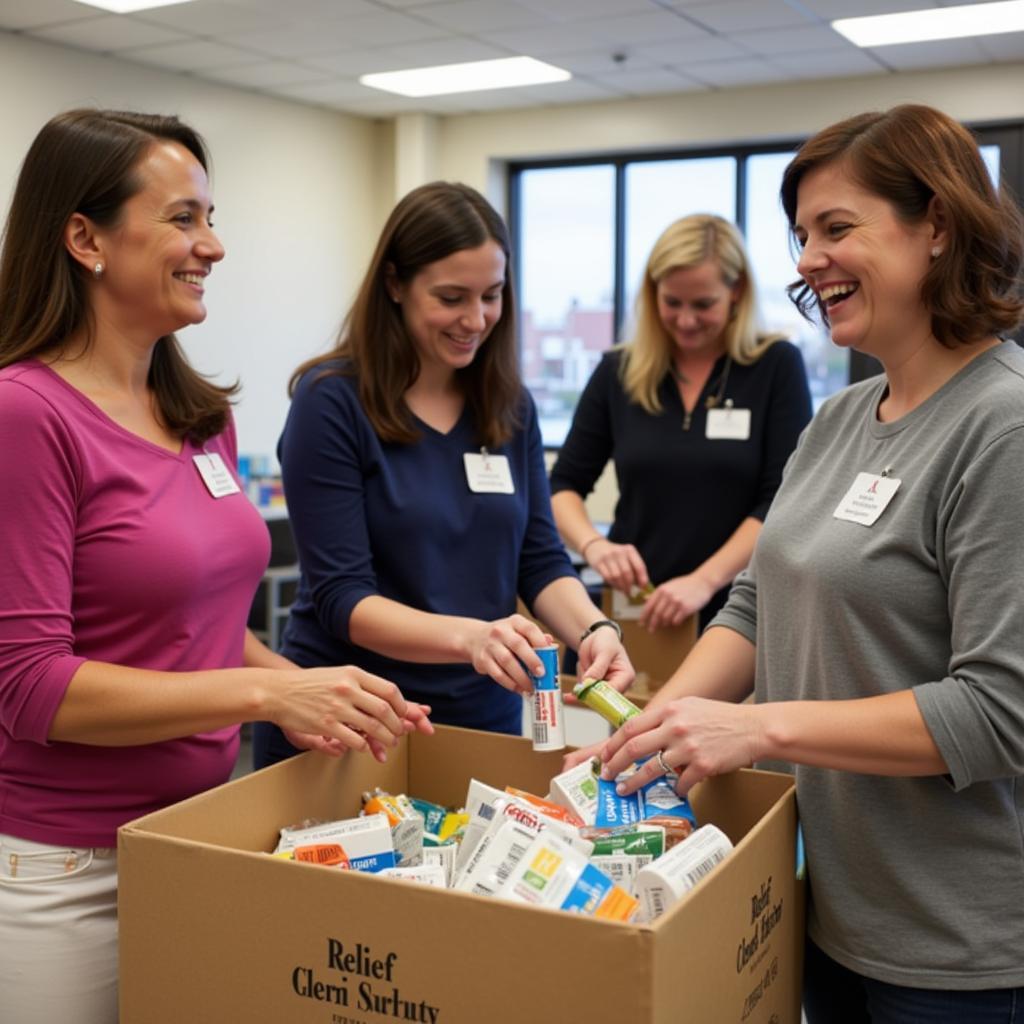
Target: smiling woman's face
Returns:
[[864, 263]]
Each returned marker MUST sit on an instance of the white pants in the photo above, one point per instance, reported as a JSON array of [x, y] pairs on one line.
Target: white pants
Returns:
[[58, 933]]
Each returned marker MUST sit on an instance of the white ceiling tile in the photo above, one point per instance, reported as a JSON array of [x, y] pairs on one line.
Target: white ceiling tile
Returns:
[[1005, 47], [108, 34], [647, 28], [601, 61], [21, 14], [553, 39], [812, 39], [192, 55], [482, 16], [936, 54], [579, 10], [679, 51], [648, 82], [725, 73], [319, 37], [831, 9], [829, 64], [454, 50], [747, 15], [352, 63], [212, 17], [304, 10], [267, 74]]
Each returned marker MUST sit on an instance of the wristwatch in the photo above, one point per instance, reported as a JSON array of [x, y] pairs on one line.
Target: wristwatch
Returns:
[[610, 623]]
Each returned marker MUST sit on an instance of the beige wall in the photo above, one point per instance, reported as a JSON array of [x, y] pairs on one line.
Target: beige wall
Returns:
[[299, 195]]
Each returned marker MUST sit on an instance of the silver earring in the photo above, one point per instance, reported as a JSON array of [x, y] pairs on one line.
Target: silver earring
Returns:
[[936, 252], [97, 271]]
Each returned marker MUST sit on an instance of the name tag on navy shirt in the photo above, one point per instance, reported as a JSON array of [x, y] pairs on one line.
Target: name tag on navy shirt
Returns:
[[867, 499], [728, 424], [219, 482], [488, 474]]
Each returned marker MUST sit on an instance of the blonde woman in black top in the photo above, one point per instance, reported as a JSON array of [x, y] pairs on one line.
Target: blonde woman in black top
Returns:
[[699, 413]]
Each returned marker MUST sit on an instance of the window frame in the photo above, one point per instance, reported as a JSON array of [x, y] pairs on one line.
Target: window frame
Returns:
[[1008, 135]]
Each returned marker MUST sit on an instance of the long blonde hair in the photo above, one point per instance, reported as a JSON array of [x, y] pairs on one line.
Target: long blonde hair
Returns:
[[689, 242]]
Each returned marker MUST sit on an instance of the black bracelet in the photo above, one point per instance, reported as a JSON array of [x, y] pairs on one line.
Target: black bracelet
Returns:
[[610, 623]]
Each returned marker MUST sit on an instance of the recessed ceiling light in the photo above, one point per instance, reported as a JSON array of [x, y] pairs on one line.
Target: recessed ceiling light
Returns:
[[474, 76], [942, 23], [128, 6]]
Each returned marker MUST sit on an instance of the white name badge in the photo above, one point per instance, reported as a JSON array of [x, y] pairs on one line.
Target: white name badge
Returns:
[[488, 474], [728, 424], [867, 499], [219, 482]]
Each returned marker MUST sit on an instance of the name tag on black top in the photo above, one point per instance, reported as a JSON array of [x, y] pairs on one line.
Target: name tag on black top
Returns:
[[488, 474], [728, 424]]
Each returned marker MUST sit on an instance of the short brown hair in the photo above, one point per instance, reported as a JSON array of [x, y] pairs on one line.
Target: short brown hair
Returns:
[[84, 161], [906, 156], [429, 224]]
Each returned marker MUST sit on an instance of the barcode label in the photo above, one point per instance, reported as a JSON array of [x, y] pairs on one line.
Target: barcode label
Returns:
[[656, 901], [512, 858], [705, 867], [540, 732]]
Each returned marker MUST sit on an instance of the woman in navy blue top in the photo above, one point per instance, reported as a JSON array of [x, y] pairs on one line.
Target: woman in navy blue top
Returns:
[[414, 474], [699, 414]]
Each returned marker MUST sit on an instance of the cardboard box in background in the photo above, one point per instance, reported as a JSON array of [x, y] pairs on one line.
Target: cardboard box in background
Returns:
[[214, 931], [655, 655]]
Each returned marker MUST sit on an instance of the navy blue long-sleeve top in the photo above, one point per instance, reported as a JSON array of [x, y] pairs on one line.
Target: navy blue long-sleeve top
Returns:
[[400, 521], [681, 494]]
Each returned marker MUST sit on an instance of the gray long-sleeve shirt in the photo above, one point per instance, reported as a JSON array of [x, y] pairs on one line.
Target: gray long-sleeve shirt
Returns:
[[915, 881]]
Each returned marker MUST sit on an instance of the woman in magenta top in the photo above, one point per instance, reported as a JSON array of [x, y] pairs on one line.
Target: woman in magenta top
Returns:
[[130, 556]]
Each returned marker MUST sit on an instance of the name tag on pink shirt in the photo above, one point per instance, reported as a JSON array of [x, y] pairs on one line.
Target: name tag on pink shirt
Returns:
[[219, 482]]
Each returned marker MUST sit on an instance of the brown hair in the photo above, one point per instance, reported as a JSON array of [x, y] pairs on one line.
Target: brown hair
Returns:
[[907, 156], [84, 161], [430, 223], [690, 242]]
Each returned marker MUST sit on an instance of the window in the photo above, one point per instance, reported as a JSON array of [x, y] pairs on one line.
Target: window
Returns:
[[583, 229]]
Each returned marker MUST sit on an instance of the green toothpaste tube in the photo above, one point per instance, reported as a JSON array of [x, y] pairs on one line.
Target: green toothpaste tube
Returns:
[[603, 698]]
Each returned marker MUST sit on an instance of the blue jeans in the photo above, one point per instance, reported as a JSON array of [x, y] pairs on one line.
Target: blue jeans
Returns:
[[833, 994]]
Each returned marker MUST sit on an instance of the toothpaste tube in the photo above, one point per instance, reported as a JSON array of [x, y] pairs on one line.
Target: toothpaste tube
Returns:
[[548, 807], [510, 832], [622, 856], [329, 855], [603, 698], [576, 790], [546, 717], [366, 841], [480, 801], [443, 855], [406, 824], [669, 878], [422, 874], [433, 814], [552, 874]]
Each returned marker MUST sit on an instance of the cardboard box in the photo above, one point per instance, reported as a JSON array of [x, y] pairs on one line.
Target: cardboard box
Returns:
[[654, 655], [215, 931]]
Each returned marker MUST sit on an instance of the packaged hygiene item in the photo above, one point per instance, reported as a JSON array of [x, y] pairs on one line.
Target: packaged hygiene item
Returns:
[[669, 878], [365, 841]]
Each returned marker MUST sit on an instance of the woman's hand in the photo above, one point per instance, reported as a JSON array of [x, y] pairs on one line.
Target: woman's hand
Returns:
[[501, 648], [338, 709], [620, 565], [602, 656], [697, 738], [675, 601]]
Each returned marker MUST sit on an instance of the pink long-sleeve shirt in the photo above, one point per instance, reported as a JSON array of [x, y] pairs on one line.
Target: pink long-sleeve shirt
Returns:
[[111, 549]]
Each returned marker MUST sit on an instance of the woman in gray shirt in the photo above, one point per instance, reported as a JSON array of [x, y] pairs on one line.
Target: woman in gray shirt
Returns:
[[880, 622]]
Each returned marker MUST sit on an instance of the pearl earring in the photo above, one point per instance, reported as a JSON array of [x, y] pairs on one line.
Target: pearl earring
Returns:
[[936, 252], [97, 271]]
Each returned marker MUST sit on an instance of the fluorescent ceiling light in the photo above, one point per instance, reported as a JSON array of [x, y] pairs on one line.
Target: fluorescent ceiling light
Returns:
[[943, 23], [128, 6], [475, 76]]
